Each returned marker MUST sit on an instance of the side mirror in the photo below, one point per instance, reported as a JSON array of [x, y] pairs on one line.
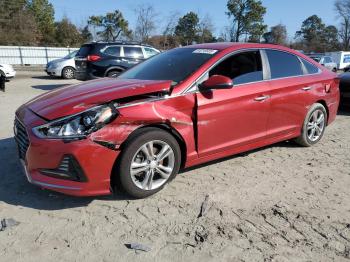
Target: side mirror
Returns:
[[217, 82]]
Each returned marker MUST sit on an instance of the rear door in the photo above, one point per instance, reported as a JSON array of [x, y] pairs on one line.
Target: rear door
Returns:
[[292, 82], [81, 57], [234, 117], [132, 55]]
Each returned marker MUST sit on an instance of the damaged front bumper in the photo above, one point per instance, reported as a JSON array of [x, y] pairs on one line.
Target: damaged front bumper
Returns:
[[45, 160]]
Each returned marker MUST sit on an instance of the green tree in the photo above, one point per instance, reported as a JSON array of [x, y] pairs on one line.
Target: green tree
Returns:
[[67, 34], [17, 24], [187, 28], [44, 14], [247, 17], [330, 38], [256, 32], [113, 26], [312, 29], [316, 36], [276, 35], [86, 34]]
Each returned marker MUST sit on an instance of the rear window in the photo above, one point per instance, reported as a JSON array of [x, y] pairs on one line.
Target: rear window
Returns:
[[112, 50], [84, 50], [150, 52], [133, 52], [283, 64]]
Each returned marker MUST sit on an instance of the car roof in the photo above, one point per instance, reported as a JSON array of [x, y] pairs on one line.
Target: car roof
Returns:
[[238, 45], [119, 43]]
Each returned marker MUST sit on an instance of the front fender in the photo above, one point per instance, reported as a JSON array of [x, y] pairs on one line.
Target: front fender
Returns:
[[176, 112]]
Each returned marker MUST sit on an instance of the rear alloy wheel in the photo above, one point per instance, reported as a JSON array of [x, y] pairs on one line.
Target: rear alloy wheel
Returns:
[[314, 126], [68, 73], [113, 73], [149, 160]]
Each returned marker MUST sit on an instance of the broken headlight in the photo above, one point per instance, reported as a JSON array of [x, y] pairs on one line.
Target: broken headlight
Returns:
[[79, 125]]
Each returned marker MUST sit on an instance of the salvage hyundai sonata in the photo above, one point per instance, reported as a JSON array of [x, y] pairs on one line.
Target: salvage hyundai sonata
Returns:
[[181, 108]]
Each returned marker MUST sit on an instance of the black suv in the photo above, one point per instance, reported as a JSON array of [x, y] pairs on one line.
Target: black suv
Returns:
[[100, 59]]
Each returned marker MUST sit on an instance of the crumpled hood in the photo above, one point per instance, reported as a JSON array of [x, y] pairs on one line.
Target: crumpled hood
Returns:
[[73, 99]]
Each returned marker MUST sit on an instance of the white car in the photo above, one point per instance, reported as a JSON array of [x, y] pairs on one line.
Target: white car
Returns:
[[63, 67], [7, 71]]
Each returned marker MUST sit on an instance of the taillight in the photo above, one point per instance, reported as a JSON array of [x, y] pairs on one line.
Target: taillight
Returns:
[[93, 58]]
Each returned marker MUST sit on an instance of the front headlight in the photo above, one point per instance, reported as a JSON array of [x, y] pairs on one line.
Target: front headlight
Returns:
[[79, 125]]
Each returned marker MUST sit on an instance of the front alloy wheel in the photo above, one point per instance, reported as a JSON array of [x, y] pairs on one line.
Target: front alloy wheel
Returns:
[[150, 158], [152, 165]]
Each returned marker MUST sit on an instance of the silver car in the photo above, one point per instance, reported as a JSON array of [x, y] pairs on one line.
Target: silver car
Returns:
[[64, 67], [326, 61]]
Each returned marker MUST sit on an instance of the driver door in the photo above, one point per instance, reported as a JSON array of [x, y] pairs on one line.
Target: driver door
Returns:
[[232, 118]]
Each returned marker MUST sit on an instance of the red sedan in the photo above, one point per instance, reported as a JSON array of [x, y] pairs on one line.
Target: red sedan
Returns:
[[178, 109]]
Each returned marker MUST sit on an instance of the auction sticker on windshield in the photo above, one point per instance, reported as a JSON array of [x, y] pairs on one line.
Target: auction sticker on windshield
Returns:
[[205, 51]]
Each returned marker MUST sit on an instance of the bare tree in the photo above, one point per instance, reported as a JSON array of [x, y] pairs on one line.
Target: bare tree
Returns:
[[205, 30], [146, 22], [342, 7], [169, 29]]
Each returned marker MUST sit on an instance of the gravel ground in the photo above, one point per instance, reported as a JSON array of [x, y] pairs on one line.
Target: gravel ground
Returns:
[[279, 203]]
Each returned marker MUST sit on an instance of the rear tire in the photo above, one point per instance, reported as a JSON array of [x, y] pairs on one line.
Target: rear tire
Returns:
[[114, 73], [142, 172], [68, 73], [314, 126]]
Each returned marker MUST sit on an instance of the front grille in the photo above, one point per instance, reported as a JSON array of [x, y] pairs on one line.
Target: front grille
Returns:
[[21, 138]]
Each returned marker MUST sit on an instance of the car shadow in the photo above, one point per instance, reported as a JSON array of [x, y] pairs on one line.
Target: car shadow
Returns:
[[17, 191], [46, 77], [48, 87]]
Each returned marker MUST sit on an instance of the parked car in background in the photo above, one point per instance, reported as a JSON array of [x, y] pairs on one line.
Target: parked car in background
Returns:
[[344, 88], [63, 67], [181, 108], [102, 59], [326, 61], [7, 71], [341, 58]]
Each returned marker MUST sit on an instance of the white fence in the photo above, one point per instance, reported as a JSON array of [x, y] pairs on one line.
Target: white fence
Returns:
[[27, 55]]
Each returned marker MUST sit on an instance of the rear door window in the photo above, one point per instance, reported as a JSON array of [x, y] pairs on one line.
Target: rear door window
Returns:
[[112, 50], [283, 64], [133, 52]]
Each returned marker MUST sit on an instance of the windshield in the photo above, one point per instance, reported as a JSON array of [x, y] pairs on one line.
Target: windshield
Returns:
[[176, 65], [71, 55]]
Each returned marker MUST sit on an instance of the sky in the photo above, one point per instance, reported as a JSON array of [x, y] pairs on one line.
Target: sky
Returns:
[[288, 12]]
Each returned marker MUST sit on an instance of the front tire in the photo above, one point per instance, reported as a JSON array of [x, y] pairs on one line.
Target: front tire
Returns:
[[150, 159], [314, 126], [68, 73]]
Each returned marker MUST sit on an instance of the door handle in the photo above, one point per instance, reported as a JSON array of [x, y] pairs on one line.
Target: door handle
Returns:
[[261, 98], [307, 88]]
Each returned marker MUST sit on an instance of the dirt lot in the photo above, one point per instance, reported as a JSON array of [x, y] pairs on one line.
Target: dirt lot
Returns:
[[279, 203]]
